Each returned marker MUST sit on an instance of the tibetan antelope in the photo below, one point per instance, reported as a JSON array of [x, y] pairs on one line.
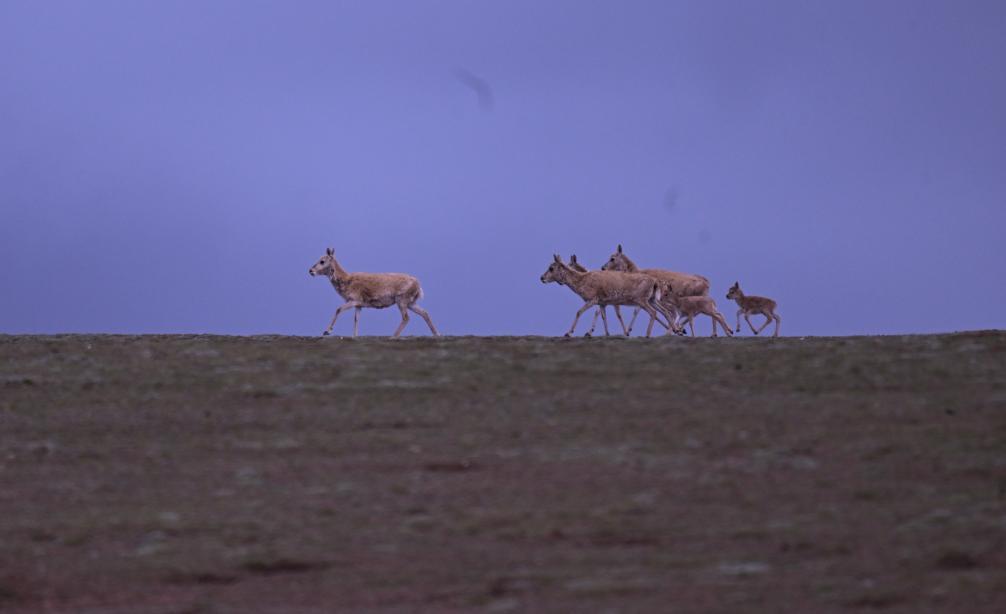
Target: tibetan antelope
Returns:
[[605, 288], [687, 307], [682, 284], [754, 304], [601, 310], [374, 290]]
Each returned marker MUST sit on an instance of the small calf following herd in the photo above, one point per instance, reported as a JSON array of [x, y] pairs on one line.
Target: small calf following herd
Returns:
[[678, 297]]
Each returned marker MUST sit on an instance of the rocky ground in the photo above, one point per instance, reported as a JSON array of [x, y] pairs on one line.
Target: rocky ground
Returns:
[[280, 474]]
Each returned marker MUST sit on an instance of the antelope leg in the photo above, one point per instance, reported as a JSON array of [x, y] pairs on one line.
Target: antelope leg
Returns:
[[723, 323], [405, 319], [343, 307], [579, 313], [604, 318], [618, 314], [422, 313], [593, 323]]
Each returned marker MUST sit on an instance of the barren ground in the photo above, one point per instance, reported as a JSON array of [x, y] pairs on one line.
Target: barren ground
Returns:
[[280, 474]]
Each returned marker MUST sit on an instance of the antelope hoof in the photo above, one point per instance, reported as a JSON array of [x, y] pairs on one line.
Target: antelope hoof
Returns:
[[324, 333], [568, 335], [587, 334]]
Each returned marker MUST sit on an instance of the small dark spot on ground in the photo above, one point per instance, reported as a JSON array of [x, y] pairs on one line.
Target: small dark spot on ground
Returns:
[[204, 577], [956, 561], [450, 466], [280, 566], [876, 602]]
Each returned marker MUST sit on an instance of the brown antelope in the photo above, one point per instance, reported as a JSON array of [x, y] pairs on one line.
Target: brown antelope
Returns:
[[605, 288], [687, 307], [681, 284], [754, 304], [601, 310], [374, 290]]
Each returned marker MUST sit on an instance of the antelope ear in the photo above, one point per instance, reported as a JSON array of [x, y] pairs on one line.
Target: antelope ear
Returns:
[[619, 248], [330, 251], [572, 257], [556, 257]]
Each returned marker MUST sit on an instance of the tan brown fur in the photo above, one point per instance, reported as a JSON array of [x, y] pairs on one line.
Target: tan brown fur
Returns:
[[371, 290], [681, 284], [605, 288], [754, 305], [601, 310], [687, 307]]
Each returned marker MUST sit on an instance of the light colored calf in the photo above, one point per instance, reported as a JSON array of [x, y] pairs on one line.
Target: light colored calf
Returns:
[[373, 290], [687, 307], [754, 304]]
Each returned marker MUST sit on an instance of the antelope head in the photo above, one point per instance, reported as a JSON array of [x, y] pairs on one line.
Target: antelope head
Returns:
[[555, 271], [324, 266], [734, 292], [576, 266], [617, 262]]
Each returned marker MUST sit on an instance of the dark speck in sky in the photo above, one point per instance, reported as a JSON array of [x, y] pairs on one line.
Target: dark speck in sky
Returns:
[[478, 85]]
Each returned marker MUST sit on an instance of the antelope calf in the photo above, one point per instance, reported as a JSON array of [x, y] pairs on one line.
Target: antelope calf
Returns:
[[374, 290], [681, 284], [754, 305], [605, 288], [687, 307]]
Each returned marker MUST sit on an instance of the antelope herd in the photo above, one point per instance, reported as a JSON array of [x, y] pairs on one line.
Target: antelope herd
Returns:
[[679, 297], [671, 299]]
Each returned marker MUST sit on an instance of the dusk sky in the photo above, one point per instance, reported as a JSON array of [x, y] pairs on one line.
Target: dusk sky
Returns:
[[178, 166]]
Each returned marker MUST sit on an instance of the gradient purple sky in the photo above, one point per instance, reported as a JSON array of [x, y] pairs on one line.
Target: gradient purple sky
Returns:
[[178, 166]]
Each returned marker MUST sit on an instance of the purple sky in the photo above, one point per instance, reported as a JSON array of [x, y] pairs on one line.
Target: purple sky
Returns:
[[178, 166]]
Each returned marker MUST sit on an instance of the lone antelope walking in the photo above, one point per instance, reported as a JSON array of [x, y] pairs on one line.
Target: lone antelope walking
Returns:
[[606, 288], [374, 290], [751, 305], [681, 284]]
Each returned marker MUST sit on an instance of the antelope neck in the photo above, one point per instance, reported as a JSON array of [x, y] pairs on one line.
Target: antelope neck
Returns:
[[337, 273], [571, 276]]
